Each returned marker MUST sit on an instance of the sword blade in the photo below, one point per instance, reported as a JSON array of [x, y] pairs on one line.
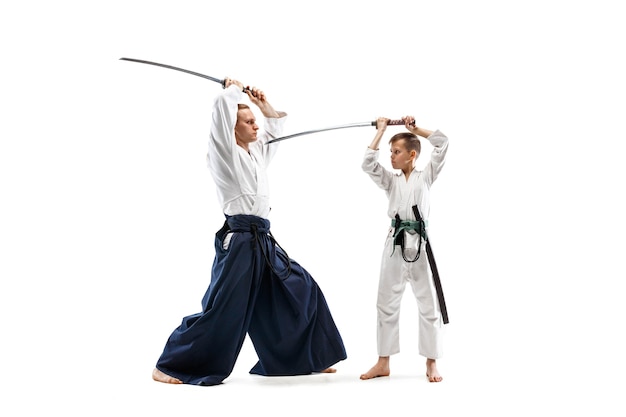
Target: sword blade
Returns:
[[208, 77], [308, 132]]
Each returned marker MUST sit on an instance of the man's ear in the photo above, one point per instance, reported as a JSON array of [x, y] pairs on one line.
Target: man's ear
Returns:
[[414, 154]]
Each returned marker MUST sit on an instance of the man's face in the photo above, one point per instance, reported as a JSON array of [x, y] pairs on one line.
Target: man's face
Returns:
[[246, 127]]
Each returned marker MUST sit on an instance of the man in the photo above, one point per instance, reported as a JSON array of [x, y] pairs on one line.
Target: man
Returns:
[[255, 288]]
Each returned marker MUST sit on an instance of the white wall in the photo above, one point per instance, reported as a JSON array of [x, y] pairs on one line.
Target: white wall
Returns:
[[108, 209]]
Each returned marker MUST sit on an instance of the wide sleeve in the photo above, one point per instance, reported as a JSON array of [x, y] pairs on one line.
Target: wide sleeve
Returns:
[[222, 152], [272, 128], [381, 177], [437, 156]]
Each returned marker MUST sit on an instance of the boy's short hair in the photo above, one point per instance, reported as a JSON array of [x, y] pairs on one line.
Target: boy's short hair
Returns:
[[411, 141]]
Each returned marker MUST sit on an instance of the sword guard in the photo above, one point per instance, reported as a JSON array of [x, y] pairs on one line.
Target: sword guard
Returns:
[[398, 122], [243, 91]]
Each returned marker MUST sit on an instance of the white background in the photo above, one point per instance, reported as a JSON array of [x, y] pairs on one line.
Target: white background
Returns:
[[108, 209]]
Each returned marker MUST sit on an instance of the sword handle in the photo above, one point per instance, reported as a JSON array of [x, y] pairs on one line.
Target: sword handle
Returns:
[[398, 122]]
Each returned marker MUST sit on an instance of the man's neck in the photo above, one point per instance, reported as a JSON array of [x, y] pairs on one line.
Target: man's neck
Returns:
[[244, 146]]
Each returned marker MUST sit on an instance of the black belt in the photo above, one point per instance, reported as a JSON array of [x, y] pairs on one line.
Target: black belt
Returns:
[[431, 258]]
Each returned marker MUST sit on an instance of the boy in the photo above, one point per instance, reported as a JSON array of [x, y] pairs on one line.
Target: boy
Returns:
[[405, 255]]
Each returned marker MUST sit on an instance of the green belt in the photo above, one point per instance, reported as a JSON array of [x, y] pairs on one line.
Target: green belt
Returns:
[[409, 225]]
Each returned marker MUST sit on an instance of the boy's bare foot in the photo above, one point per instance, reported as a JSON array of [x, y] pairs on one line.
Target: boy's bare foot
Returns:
[[431, 371], [380, 369], [161, 377]]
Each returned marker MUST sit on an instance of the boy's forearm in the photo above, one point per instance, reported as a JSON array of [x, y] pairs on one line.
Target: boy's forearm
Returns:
[[376, 141], [420, 131]]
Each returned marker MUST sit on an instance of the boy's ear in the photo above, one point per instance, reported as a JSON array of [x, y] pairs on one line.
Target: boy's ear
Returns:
[[413, 154]]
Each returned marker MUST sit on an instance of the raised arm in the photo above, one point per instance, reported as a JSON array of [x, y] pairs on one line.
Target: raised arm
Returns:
[[438, 140], [381, 126], [259, 98], [409, 123]]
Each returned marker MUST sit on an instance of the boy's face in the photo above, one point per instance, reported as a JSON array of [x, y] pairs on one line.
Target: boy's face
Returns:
[[246, 127], [401, 158]]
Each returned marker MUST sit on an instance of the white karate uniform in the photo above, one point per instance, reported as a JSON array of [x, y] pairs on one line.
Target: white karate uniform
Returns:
[[240, 177], [395, 272]]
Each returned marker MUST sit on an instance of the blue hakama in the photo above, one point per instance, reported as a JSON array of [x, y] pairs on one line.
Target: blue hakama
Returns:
[[257, 290]]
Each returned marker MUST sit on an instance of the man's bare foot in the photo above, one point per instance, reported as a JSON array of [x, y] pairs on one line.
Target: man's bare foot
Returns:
[[431, 371], [328, 371], [161, 377], [380, 369]]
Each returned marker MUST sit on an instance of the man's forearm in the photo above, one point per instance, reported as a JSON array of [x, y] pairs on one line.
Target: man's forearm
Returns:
[[268, 111]]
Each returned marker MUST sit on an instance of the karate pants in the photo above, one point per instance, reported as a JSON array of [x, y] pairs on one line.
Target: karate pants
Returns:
[[395, 273], [285, 315]]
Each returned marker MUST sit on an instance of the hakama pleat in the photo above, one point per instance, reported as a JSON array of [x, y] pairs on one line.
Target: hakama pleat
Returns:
[[255, 291]]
